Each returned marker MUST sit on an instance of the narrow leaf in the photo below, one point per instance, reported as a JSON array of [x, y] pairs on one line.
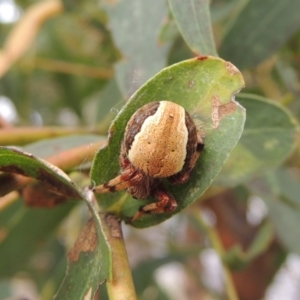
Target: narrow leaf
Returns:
[[143, 56], [260, 29], [194, 23], [19, 162]]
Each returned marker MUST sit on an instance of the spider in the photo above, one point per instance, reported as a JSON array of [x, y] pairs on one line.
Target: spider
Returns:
[[160, 141]]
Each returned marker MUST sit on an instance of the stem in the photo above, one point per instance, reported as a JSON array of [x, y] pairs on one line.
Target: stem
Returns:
[[121, 286], [70, 68], [26, 135], [218, 247]]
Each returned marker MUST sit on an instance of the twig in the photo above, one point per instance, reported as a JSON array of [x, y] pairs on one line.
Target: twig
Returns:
[[25, 135], [121, 286], [70, 68]]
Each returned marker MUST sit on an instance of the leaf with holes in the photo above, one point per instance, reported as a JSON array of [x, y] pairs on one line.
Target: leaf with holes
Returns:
[[205, 87]]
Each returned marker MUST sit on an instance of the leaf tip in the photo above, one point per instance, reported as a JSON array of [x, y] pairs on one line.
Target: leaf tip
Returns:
[[232, 69]]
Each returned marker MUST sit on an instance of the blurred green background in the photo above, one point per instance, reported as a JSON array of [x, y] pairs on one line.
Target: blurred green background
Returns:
[[74, 64]]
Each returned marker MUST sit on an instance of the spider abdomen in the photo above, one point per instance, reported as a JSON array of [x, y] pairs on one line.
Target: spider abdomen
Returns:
[[160, 141], [157, 139]]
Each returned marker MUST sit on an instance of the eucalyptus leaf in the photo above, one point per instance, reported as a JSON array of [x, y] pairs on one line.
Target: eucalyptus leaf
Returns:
[[259, 30], [13, 160], [194, 23], [268, 139], [143, 56], [222, 10], [90, 260], [204, 86]]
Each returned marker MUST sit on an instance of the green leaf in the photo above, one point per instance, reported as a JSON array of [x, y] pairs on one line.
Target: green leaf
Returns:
[[169, 31], [197, 84], [135, 26], [16, 161], [223, 10], [283, 204], [268, 139], [90, 260], [193, 20], [260, 29]]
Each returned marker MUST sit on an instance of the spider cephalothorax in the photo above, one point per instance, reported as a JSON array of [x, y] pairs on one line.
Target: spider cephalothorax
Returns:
[[160, 141]]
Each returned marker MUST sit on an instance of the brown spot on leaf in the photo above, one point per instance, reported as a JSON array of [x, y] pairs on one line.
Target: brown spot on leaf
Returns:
[[86, 241], [55, 185], [36, 195], [13, 169], [227, 109], [215, 111], [191, 83], [201, 58], [114, 225], [219, 111], [231, 68]]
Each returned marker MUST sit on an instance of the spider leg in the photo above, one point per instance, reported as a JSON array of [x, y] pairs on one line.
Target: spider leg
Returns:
[[126, 179], [166, 203]]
